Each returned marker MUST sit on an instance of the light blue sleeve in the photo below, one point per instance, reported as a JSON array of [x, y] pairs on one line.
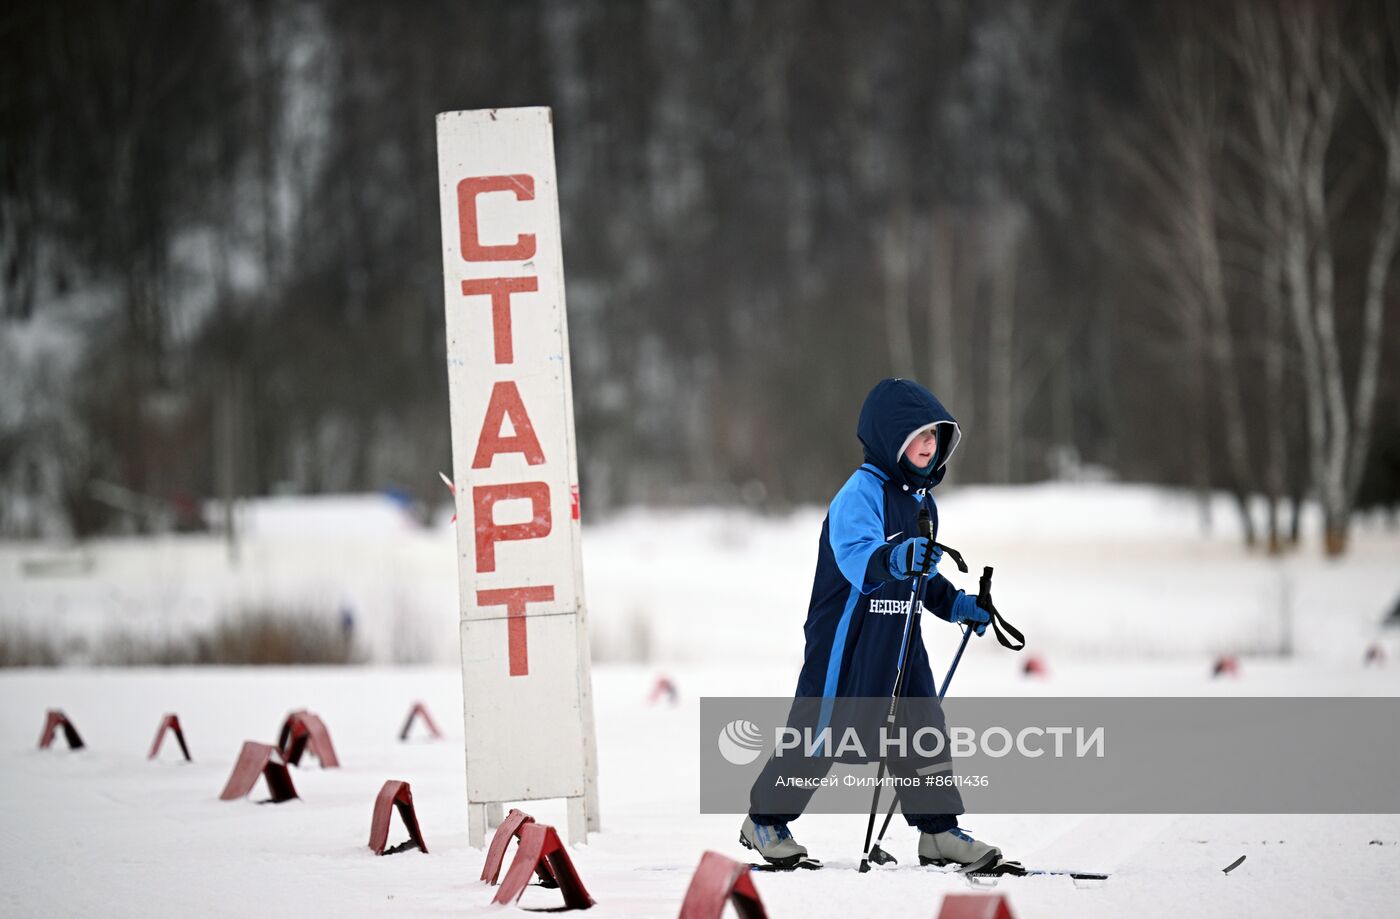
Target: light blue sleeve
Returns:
[[857, 526]]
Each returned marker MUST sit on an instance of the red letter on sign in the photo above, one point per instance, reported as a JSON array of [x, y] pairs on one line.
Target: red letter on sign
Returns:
[[514, 600], [472, 249], [506, 403], [500, 290], [488, 532]]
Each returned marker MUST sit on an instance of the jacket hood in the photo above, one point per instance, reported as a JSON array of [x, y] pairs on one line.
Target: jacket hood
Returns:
[[893, 413]]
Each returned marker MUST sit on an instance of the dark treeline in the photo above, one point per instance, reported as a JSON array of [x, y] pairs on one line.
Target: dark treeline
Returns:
[[1151, 240]]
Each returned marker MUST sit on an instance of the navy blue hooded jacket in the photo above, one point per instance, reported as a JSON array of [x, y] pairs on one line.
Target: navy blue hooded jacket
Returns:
[[855, 622]]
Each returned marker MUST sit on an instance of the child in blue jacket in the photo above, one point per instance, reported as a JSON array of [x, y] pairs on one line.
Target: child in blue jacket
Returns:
[[870, 553]]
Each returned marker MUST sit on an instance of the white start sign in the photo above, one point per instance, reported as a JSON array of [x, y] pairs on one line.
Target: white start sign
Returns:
[[525, 666]]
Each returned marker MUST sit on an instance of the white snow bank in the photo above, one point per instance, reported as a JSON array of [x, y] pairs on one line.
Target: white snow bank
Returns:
[[1086, 570]]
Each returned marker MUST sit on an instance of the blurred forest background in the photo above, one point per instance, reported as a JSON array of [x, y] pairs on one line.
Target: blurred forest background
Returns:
[[1147, 241]]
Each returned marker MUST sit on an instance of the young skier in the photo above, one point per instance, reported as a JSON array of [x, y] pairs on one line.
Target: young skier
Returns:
[[870, 552]]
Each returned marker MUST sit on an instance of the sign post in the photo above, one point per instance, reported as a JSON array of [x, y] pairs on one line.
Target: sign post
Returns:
[[526, 680]]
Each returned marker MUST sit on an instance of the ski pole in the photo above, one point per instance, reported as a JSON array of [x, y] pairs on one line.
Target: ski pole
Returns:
[[876, 854], [916, 596], [984, 590]]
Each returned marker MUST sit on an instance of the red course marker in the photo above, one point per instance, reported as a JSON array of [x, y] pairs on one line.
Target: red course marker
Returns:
[[54, 720], [259, 759], [975, 906], [540, 851], [420, 710], [394, 794], [719, 880], [304, 732], [496, 854], [170, 723]]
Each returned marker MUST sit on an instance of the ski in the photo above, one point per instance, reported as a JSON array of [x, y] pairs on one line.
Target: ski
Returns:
[[1017, 870], [791, 863], [1009, 869], [804, 864], [994, 873], [985, 876]]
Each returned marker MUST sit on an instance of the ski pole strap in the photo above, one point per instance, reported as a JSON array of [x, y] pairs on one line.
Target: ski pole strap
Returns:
[[1000, 626], [955, 555]]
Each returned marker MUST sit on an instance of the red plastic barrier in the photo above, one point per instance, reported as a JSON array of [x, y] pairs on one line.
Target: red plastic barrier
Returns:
[[304, 732], [419, 710], [1226, 665], [54, 720], [394, 794], [718, 880], [496, 853], [666, 687], [259, 759], [975, 906], [540, 851], [170, 723]]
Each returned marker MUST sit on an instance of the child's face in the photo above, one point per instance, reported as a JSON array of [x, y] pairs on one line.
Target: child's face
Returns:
[[923, 448]]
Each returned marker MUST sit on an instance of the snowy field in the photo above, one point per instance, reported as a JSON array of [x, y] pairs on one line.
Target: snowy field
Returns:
[[1084, 570], [1113, 586], [105, 832]]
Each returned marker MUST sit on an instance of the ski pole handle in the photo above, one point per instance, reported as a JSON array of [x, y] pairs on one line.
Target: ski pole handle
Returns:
[[926, 531], [925, 524], [1006, 633]]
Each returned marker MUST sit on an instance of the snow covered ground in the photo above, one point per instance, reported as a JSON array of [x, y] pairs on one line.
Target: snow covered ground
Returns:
[[1086, 570], [105, 832], [1113, 586]]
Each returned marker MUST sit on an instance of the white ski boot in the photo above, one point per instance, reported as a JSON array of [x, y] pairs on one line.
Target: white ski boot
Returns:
[[774, 843], [956, 847]]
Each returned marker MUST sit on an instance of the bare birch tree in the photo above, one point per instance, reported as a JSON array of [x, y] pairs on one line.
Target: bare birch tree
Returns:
[[893, 245], [942, 240], [1378, 88], [1296, 66], [1003, 229], [1177, 167]]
